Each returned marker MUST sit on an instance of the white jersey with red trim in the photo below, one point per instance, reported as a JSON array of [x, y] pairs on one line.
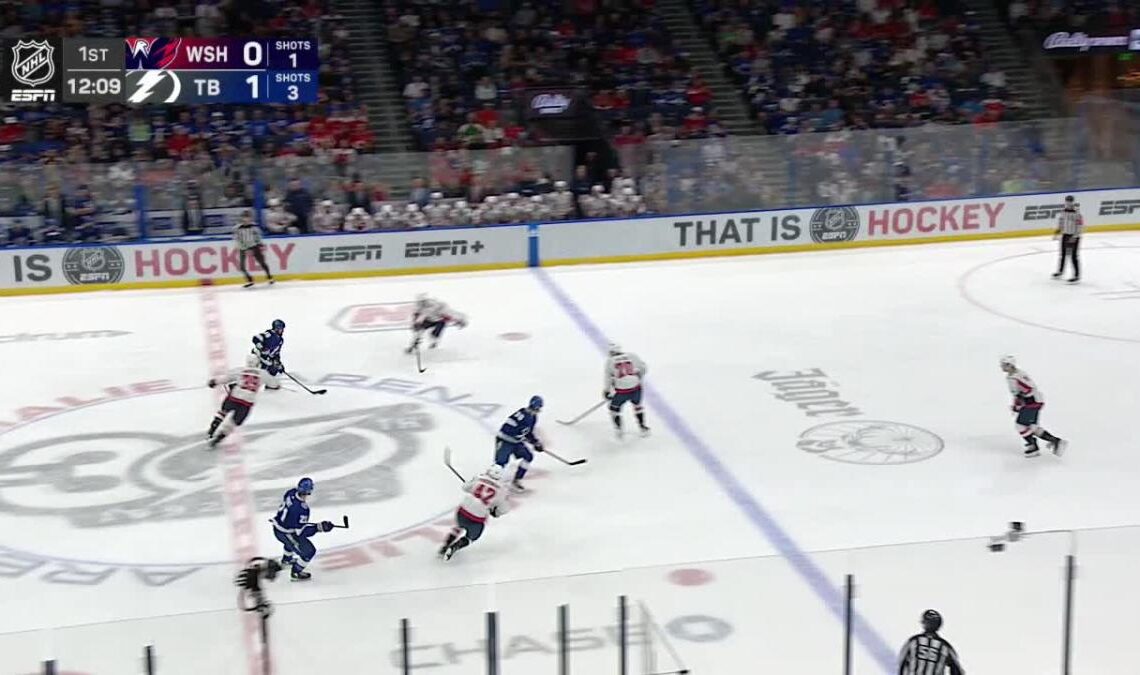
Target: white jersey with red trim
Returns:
[[244, 383], [623, 373], [483, 494], [430, 310], [1025, 392]]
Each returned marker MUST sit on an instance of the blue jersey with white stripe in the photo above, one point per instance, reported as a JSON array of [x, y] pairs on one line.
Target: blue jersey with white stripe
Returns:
[[519, 427], [268, 345], [293, 516]]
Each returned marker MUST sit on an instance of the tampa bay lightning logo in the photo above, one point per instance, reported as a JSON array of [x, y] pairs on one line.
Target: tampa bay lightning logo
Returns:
[[103, 479]]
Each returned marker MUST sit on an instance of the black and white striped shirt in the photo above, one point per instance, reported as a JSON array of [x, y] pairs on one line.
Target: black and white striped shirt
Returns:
[[247, 236], [929, 654], [1071, 223]]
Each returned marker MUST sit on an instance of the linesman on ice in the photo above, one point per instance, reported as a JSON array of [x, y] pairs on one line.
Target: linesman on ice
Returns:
[[247, 237], [928, 653], [1070, 227]]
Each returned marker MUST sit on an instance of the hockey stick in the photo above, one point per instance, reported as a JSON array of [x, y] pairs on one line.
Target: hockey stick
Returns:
[[567, 462], [302, 385], [419, 363], [447, 461], [345, 526], [579, 418]]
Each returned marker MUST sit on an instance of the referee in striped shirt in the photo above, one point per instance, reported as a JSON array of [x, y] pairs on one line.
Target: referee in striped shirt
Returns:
[[247, 236], [1070, 225], [927, 653]]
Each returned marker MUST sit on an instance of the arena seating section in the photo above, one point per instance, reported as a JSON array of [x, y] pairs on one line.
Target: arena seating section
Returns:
[[1095, 17]]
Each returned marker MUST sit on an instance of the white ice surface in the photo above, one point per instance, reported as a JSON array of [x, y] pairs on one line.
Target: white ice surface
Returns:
[[906, 335]]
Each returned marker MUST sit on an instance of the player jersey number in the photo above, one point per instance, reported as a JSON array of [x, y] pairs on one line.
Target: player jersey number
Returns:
[[625, 368], [927, 653], [485, 493], [250, 382]]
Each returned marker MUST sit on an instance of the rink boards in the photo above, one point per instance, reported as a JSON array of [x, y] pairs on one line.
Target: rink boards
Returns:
[[188, 262]]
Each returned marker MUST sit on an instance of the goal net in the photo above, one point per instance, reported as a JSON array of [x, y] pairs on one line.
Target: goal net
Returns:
[[652, 651]]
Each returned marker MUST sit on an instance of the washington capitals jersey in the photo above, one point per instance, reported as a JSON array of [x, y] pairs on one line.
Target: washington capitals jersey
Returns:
[[519, 427], [268, 345], [293, 516]]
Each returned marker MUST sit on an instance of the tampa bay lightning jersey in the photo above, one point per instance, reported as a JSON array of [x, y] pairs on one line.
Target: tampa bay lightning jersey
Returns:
[[293, 516], [519, 427], [268, 345]]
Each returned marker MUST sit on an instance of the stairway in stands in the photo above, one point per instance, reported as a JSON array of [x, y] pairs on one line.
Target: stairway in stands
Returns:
[[376, 84]]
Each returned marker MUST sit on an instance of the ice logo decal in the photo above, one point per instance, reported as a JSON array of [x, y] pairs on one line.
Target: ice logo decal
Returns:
[[870, 442], [105, 479]]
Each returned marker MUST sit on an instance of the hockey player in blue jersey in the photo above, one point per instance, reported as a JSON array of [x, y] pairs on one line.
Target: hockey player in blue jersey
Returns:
[[292, 528], [267, 345], [514, 436]]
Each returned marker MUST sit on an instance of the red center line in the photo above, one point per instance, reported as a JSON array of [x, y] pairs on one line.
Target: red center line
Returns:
[[235, 487]]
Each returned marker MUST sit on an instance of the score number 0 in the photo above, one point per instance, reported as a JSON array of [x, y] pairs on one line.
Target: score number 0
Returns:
[[252, 54]]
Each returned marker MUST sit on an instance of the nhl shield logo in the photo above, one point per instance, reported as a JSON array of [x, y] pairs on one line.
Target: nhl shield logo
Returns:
[[32, 62]]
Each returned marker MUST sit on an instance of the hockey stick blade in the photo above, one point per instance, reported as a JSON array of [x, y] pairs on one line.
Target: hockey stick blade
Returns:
[[579, 418], [447, 461], [345, 526], [317, 392], [567, 462]]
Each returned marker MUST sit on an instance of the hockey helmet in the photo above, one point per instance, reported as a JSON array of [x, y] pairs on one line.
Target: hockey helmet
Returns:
[[931, 621], [305, 486], [436, 196], [535, 403], [491, 199], [537, 199], [252, 361], [1008, 363], [560, 185], [614, 348], [278, 326], [413, 208], [274, 202], [494, 472]]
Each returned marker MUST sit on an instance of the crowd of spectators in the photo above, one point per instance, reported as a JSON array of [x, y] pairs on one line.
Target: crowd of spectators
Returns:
[[461, 64], [825, 65]]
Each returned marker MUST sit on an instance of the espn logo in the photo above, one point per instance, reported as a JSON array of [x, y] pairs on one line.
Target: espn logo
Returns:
[[33, 95], [329, 254], [1043, 212], [1119, 207], [435, 249]]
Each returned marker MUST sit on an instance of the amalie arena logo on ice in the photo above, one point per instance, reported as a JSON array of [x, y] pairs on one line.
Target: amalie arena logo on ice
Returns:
[[116, 482]]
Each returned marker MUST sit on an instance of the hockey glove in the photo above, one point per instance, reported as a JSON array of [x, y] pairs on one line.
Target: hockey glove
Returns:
[[326, 526], [494, 512], [538, 447], [211, 383], [607, 395]]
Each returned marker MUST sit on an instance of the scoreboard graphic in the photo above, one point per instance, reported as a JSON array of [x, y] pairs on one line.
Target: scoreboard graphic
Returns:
[[142, 71]]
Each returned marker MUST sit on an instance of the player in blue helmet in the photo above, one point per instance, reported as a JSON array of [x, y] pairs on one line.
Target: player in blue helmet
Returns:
[[292, 528], [267, 345], [514, 436]]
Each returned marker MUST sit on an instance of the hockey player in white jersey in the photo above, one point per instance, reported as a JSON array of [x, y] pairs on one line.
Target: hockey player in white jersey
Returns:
[[1027, 403], [560, 203], [413, 217], [326, 218], [431, 315], [244, 385], [485, 496], [627, 203], [537, 211], [386, 218], [357, 220], [622, 382], [278, 220], [488, 212], [460, 213], [595, 204], [437, 212]]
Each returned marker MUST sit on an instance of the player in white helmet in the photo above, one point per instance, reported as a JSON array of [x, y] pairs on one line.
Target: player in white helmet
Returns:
[[1027, 403], [326, 218], [357, 220], [561, 201], [385, 218], [595, 204], [622, 382], [437, 212], [278, 220], [413, 217], [488, 212], [243, 385], [432, 316], [485, 496], [460, 213]]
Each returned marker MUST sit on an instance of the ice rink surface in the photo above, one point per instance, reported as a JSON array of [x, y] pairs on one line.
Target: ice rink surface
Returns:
[[733, 524]]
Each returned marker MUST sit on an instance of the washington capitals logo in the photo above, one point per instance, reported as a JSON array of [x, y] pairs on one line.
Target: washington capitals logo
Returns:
[[151, 53], [32, 63]]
